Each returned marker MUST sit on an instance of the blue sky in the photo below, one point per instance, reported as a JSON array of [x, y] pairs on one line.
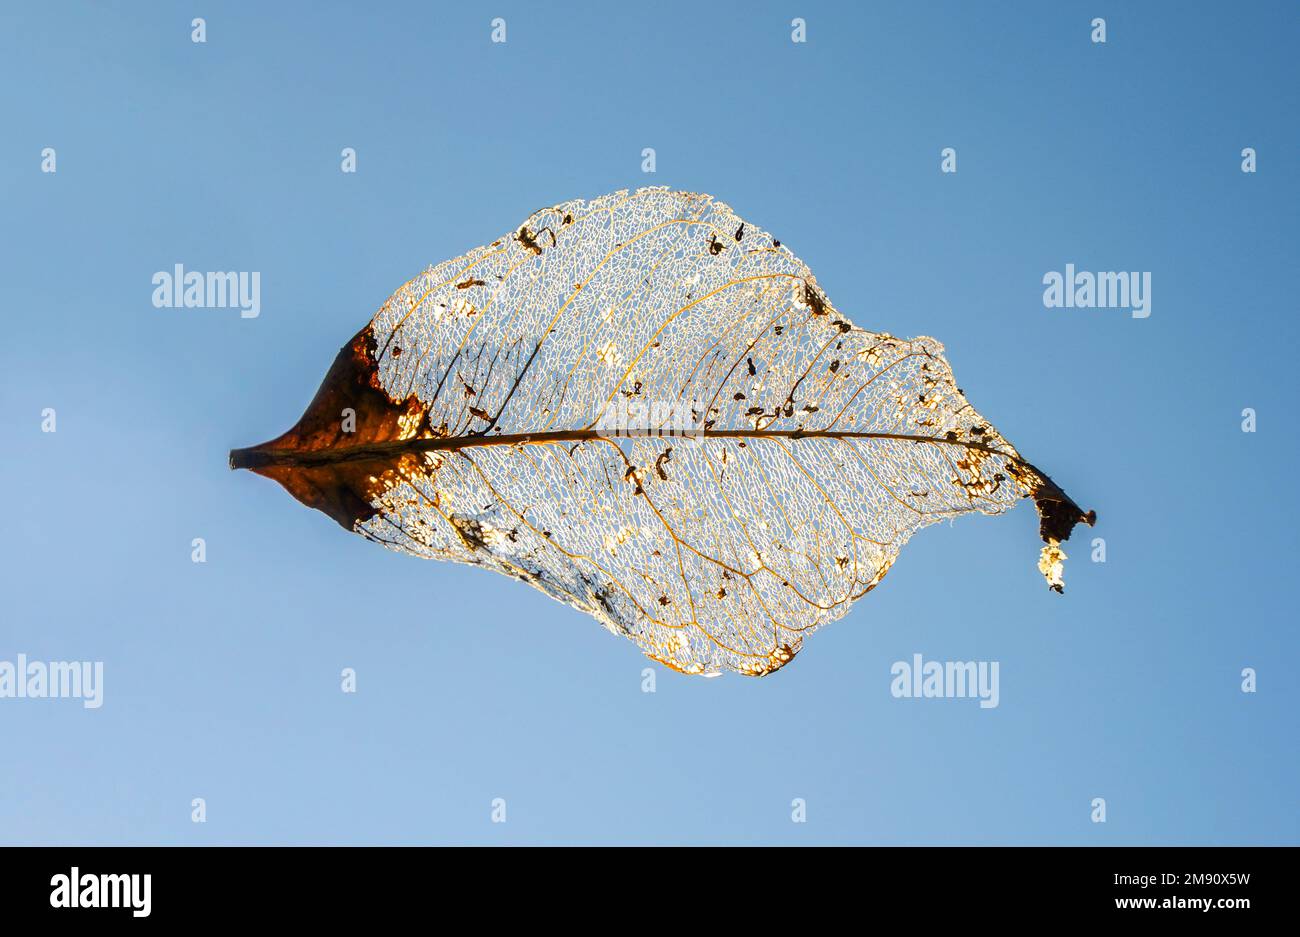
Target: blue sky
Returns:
[[222, 679]]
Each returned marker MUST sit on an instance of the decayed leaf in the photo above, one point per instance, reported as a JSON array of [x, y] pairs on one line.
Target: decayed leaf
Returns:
[[648, 409]]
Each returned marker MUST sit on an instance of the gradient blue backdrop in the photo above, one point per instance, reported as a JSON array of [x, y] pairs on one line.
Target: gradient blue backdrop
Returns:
[[222, 680]]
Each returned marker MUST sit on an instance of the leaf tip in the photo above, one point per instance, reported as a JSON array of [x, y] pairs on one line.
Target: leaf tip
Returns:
[[1058, 515]]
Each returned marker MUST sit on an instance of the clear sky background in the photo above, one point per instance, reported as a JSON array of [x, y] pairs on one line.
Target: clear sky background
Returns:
[[222, 680]]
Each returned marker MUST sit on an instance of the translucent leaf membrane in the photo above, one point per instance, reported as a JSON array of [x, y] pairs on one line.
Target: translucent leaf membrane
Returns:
[[648, 409]]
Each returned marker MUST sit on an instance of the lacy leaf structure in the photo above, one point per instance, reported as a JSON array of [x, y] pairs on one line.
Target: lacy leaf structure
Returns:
[[647, 408]]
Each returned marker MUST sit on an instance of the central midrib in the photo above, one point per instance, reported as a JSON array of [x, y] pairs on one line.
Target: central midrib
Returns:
[[257, 457]]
